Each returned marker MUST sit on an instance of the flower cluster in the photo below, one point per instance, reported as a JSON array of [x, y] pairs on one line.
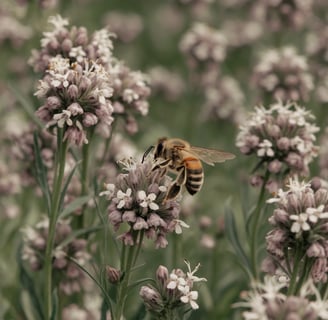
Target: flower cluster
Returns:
[[282, 14], [300, 223], [76, 98], [137, 199], [167, 83], [203, 46], [72, 279], [282, 137], [130, 94], [11, 29], [84, 84], [267, 301], [126, 26], [284, 75], [317, 45], [73, 44], [223, 100], [172, 291]]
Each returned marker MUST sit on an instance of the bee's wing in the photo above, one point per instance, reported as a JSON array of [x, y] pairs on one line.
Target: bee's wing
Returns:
[[210, 156]]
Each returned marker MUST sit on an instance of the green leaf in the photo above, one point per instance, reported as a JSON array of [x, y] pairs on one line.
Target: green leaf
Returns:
[[79, 233], [28, 283], [138, 282], [74, 205], [103, 290], [41, 172], [54, 305], [232, 233], [27, 305]]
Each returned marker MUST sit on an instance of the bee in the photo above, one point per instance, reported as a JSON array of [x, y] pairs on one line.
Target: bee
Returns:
[[185, 160]]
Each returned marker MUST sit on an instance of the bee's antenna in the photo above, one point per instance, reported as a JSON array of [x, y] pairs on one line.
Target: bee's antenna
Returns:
[[146, 153]]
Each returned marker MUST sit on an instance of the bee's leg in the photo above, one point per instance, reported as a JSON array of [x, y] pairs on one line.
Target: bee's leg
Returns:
[[175, 188], [162, 165]]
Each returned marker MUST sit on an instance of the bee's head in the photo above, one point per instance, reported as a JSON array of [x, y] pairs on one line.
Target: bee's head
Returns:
[[159, 148]]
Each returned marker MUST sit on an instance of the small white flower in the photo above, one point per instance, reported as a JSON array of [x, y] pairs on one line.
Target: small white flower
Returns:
[[123, 197], [190, 274], [190, 297], [109, 192], [63, 118], [176, 282], [178, 224], [300, 223], [316, 213], [147, 200], [265, 149]]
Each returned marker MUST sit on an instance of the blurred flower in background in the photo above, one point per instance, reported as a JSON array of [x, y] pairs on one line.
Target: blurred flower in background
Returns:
[[282, 137], [283, 74], [268, 301], [72, 279]]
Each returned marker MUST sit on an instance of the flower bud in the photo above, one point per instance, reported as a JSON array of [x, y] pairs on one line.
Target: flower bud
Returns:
[[89, 119], [73, 91], [113, 275], [316, 250], [67, 45], [162, 276], [152, 299]]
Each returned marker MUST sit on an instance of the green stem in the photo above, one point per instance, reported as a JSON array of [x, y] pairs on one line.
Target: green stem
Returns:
[[307, 266], [296, 266], [84, 182], [54, 212], [176, 248], [127, 263], [256, 225]]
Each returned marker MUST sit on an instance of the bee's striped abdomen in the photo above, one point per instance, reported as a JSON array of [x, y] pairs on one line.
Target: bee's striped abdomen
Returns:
[[195, 175]]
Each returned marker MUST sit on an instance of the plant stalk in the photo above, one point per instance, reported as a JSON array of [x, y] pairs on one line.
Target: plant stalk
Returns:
[[54, 213]]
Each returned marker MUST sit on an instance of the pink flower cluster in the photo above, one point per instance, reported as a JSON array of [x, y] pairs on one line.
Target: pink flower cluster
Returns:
[[84, 85], [172, 291], [300, 222], [282, 137], [137, 199]]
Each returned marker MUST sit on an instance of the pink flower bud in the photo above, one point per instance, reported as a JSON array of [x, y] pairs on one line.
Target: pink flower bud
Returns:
[[67, 45], [89, 119], [73, 91]]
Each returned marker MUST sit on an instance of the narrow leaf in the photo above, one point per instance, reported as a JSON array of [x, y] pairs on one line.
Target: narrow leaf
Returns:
[[79, 233], [29, 285], [106, 297], [54, 305], [74, 205], [41, 171], [233, 236]]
